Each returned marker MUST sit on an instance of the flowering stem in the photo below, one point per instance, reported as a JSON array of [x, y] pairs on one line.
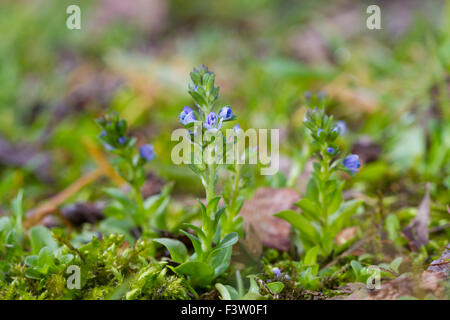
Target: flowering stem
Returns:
[[210, 194], [325, 164]]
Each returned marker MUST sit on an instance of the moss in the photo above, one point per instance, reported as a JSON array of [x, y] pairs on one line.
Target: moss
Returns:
[[153, 282], [98, 293], [55, 285]]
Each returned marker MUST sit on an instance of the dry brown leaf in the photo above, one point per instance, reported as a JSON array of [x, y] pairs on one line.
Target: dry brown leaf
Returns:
[[259, 210], [148, 15], [252, 242], [417, 231], [346, 235], [249, 251], [432, 281], [359, 99], [390, 290], [442, 264]]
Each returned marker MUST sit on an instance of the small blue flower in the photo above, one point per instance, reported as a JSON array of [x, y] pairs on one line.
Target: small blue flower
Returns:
[[185, 112], [330, 150], [108, 147], [319, 132], [352, 163], [340, 128], [287, 277], [277, 272], [212, 122], [237, 128], [122, 140], [146, 152], [226, 113], [308, 95], [187, 116], [103, 134]]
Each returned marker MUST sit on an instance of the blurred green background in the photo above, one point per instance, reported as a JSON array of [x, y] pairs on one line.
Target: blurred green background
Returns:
[[391, 86]]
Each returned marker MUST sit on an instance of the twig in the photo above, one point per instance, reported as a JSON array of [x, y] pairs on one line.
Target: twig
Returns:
[[101, 161], [50, 205]]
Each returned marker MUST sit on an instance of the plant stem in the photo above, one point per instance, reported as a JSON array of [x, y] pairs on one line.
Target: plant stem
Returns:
[[210, 194]]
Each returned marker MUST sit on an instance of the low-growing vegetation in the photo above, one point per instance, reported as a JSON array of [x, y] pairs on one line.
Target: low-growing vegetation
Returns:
[[93, 204]]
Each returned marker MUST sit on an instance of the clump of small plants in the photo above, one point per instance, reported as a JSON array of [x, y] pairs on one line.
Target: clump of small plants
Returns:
[[214, 238], [132, 254]]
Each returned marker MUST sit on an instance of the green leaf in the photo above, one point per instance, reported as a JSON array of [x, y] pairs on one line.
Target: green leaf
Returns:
[[312, 191], [219, 260], [198, 98], [392, 226], [212, 204], [31, 261], [225, 295], [253, 291], [309, 208], [41, 237], [157, 205], [227, 292], [116, 210], [17, 208], [177, 249], [45, 259], [203, 210], [299, 222], [198, 230], [395, 264], [196, 78], [199, 273], [195, 242], [357, 267], [217, 217], [336, 199], [276, 287], [118, 195], [13, 247], [337, 220], [33, 274], [229, 240], [5, 226], [311, 256], [195, 168]]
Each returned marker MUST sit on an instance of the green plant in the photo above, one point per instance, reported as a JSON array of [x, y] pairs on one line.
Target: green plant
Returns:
[[11, 236], [212, 249], [308, 276], [47, 257], [227, 292], [324, 212], [383, 270], [130, 210]]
